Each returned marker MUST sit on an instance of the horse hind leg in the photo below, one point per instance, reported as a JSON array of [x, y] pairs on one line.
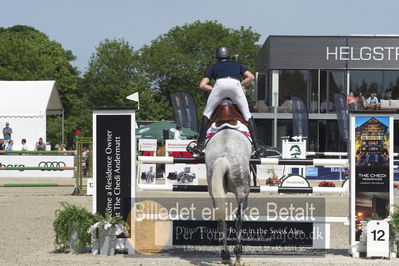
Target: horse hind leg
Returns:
[[225, 254], [218, 193], [242, 205]]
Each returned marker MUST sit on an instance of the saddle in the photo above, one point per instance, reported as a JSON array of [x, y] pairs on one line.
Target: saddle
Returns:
[[227, 112]]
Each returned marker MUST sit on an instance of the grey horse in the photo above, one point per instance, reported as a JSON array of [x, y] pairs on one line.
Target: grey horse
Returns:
[[227, 161]]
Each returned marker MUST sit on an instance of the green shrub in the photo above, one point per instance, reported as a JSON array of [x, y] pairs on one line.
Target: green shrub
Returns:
[[70, 218]]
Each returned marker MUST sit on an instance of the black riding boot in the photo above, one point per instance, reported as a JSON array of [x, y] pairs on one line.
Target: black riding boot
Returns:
[[201, 137], [255, 140]]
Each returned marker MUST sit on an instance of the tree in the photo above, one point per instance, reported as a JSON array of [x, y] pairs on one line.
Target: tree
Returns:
[[177, 60], [112, 75], [28, 54]]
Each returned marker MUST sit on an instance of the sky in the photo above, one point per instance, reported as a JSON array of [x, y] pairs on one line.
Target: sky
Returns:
[[80, 25]]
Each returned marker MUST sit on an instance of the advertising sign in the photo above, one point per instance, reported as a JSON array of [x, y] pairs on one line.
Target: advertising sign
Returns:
[[294, 150], [114, 147], [147, 173], [181, 174], [37, 161], [176, 145], [372, 175], [147, 145]]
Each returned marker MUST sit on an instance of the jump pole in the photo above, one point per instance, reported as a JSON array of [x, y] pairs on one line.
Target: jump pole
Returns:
[[253, 189], [264, 161]]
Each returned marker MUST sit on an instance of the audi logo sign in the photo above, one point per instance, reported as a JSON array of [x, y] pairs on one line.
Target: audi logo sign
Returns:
[[37, 161], [51, 164]]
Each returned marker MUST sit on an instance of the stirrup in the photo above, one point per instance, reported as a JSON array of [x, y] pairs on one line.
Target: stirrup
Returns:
[[194, 149]]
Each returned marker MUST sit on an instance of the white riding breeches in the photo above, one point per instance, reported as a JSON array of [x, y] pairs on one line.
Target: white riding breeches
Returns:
[[227, 88]]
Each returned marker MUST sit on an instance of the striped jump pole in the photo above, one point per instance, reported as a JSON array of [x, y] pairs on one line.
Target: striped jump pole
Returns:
[[265, 161], [37, 185], [22, 168], [253, 189]]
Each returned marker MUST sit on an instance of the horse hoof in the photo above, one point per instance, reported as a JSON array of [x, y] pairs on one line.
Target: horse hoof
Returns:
[[228, 262], [225, 257], [238, 263]]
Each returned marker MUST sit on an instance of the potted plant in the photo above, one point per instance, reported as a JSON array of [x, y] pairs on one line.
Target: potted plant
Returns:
[[70, 226], [104, 232], [394, 225]]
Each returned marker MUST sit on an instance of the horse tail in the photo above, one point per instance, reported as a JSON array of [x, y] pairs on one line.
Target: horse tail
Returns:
[[219, 186]]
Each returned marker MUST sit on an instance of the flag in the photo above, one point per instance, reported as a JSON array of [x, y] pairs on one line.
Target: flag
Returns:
[[342, 115], [351, 99], [300, 117]]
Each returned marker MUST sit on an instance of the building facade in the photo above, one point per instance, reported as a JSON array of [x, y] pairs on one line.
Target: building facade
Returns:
[[315, 68]]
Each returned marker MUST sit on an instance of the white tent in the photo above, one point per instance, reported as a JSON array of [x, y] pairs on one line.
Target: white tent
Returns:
[[25, 105]]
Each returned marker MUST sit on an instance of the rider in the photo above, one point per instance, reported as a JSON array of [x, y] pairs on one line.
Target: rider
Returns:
[[227, 75]]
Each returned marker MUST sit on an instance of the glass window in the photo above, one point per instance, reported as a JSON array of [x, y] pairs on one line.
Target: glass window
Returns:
[[336, 84], [313, 97], [391, 85], [331, 81], [291, 83], [367, 82], [329, 138]]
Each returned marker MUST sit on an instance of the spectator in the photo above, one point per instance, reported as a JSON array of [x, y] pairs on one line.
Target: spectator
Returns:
[[387, 94], [9, 145], [7, 131], [62, 147], [2, 146], [177, 135], [40, 145], [24, 145], [372, 102]]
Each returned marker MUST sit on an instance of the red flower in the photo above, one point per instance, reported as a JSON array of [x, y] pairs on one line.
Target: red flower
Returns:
[[77, 131], [326, 184]]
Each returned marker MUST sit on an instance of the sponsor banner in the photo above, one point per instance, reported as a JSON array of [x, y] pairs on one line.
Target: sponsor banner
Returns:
[[37, 161], [342, 116], [294, 150], [269, 171], [326, 173], [179, 110], [179, 174], [113, 144], [300, 117], [191, 110], [176, 145], [372, 149], [147, 145], [147, 173]]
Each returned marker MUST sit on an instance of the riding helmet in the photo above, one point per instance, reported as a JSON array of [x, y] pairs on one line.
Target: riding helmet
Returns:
[[222, 52]]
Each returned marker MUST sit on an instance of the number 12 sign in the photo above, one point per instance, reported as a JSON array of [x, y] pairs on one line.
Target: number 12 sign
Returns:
[[377, 238]]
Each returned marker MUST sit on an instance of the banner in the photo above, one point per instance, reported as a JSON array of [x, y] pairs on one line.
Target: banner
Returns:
[[191, 110], [184, 110], [147, 145], [300, 117], [342, 116], [179, 111], [114, 144], [172, 145], [37, 161], [371, 180]]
